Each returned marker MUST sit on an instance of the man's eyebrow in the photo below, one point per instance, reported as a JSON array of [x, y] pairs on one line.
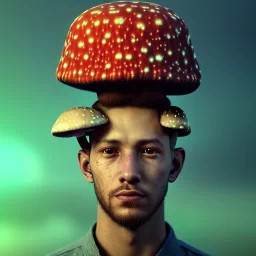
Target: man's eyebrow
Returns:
[[139, 143]]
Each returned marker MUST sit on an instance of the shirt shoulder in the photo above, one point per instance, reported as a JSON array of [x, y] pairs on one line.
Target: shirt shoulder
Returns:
[[188, 250], [73, 249]]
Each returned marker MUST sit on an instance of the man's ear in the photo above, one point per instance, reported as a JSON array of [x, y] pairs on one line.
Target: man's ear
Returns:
[[178, 158], [83, 160]]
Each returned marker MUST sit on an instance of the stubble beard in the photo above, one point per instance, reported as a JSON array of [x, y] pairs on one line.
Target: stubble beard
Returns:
[[131, 224]]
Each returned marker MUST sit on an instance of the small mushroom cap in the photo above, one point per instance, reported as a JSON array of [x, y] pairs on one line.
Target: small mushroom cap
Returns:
[[176, 119], [77, 122], [117, 45]]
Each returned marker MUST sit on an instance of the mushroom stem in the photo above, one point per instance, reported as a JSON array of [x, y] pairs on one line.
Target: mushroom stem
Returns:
[[144, 98], [84, 144]]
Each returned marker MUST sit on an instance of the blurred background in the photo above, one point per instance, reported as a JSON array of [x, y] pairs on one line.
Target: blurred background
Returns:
[[45, 203]]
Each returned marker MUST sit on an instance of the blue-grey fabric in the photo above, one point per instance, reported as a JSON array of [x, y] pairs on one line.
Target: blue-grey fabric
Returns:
[[86, 246]]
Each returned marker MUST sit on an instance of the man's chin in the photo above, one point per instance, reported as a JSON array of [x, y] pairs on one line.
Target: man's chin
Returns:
[[130, 218], [130, 222]]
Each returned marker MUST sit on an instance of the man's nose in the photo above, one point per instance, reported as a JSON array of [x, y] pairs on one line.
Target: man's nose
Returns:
[[129, 169]]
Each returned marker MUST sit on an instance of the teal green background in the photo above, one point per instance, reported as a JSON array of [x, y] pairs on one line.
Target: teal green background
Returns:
[[45, 203]]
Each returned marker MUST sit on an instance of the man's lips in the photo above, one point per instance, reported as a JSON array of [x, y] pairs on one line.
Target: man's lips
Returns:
[[130, 195]]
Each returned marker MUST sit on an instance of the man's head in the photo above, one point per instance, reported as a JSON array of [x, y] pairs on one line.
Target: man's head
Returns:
[[131, 152]]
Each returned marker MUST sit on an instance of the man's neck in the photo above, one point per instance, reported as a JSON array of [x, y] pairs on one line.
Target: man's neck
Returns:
[[115, 240]]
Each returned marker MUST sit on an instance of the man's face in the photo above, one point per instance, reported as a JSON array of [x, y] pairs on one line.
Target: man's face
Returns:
[[127, 164]]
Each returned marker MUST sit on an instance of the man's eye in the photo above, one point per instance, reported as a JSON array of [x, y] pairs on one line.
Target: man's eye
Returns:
[[108, 151], [150, 151]]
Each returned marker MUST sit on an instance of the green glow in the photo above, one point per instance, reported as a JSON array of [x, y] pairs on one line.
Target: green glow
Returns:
[[146, 70], [58, 225], [119, 20], [169, 52], [159, 22], [151, 59], [141, 26], [20, 163], [177, 31], [144, 50], [159, 57], [188, 41]]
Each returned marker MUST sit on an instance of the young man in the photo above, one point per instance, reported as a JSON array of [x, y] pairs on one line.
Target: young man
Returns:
[[130, 161], [134, 158], [131, 156]]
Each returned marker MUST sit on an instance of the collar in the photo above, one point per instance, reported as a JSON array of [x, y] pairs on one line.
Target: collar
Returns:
[[170, 243]]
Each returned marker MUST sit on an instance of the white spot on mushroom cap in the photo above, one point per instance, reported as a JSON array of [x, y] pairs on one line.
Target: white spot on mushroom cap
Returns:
[[86, 56], [119, 20], [97, 23], [141, 26], [81, 44], [84, 23], [159, 22], [146, 69], [159, 57], [108, 35], [90, 40], [128, 56], [144, 49], [151, 59]]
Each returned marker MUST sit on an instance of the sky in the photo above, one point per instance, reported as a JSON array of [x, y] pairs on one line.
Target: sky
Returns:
[[45, 201]]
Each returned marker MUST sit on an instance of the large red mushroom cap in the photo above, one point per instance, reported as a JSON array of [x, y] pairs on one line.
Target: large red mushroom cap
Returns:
[[116, 46]]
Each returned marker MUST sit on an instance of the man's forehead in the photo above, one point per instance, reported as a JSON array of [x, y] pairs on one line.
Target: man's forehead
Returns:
[[133, 117], [130, 123], [130, 111]]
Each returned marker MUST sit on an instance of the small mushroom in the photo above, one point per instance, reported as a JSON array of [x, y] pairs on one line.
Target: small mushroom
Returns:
[[78, 122], [176, 119]]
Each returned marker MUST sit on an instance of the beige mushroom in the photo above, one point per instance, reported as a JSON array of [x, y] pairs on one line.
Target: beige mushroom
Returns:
[[176, 119], [77, 122]]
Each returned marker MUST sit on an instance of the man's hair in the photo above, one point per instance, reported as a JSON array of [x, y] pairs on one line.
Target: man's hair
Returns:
[[151, 100]]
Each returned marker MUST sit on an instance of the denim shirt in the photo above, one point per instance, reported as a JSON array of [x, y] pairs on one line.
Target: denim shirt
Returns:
[[86, 246]]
